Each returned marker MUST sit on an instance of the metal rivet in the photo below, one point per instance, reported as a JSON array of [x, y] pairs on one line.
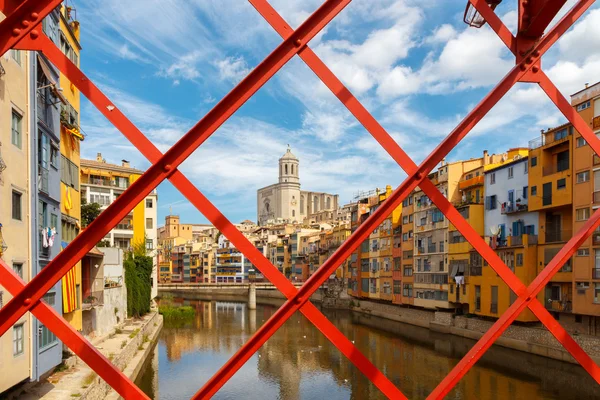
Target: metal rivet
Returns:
[[16, 32], [535, 69], [522, 67], [27, 301], [419, 175], [297, 43], [529, 60], [536, 53], [528, 298], [522, 53], [25, 23], [34, 15], [167, 167], [298, 300], [34, 34]]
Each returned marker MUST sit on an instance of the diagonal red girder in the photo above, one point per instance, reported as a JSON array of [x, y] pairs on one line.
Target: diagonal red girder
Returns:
[[167, 164], [417, 176], [370, 124], [23, 20], [394, 200], [379, 133], [131, 132], [67, 334]]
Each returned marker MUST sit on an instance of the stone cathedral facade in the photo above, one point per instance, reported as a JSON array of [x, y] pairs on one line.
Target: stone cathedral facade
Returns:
[[285, 202]]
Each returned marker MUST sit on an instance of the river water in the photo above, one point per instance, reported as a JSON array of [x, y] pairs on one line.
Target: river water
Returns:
[[298, 362]]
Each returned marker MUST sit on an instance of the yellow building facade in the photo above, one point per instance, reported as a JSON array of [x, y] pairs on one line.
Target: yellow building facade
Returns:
[[551, 183], [70, 150]]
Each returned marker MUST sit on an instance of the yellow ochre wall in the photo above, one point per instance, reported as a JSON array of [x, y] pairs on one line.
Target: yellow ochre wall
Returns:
[[71, 150]]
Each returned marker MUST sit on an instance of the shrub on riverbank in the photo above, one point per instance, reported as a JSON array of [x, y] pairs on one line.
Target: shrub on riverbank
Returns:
[[177, 313]]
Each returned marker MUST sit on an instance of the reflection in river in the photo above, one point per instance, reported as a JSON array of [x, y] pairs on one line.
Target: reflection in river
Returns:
[[299, 362]]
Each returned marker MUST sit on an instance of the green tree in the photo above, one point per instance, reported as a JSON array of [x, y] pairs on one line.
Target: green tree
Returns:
[[89, 212]]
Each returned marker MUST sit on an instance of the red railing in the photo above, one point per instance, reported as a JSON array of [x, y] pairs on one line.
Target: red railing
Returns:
[[21, 30]]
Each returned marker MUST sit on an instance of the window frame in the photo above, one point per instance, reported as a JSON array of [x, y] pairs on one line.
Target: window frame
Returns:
[[582, 173], [20, 205], [16, 339], [18, 130]]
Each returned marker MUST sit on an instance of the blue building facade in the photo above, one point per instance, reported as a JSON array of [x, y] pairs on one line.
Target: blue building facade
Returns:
[[45, 192]]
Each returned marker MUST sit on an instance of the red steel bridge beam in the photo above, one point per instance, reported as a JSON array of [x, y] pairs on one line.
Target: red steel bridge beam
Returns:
[[527, 69], [387, 142], [345, 94], [135, 136], [537, 15], [22, 20], [167, 164], [287, 309]]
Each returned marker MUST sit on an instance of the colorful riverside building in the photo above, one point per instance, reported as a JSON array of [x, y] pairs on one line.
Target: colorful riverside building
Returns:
[[70, 152], [551, 195], [509, 228], [586, 200], [433, 234], [370, 267], [231, 264], [102, 183], [407, 246]]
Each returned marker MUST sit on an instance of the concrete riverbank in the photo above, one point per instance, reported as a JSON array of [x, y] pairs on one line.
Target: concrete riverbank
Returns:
[[529, 339], [127, 347]]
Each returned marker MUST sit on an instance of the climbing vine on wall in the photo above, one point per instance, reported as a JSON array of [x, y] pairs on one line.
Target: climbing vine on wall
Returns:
[[138, 279]]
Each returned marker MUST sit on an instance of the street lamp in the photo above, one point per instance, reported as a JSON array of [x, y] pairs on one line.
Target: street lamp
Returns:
[[472, 16]]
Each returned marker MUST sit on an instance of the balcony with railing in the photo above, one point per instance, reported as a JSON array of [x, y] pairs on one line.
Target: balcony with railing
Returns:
[[550, 138], [102, 181], [43, 179], [562, 305], [556, 235], [467, 183], [560, 166], [46, 111], [434, 279], [512, 208]]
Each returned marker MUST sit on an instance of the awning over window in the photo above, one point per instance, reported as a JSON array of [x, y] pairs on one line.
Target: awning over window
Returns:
[[46, 70]]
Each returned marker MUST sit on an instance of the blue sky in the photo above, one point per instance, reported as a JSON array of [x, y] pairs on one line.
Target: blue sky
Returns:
[[413, 63]]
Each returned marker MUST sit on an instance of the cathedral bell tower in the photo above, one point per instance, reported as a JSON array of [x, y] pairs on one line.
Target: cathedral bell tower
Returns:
[[288, 168]]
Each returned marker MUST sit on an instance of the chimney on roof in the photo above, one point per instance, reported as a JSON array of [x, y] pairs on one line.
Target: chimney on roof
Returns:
[[99, 157], [125, 163], [486, 157], [586, 85]]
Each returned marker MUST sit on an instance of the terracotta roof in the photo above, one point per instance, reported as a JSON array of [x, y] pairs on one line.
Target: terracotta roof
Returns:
[[95, 252]]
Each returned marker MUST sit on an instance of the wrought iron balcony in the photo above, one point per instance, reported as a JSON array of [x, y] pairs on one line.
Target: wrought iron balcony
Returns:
[[512, 208]]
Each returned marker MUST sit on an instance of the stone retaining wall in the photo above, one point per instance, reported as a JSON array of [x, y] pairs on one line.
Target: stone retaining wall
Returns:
[[100, 390]]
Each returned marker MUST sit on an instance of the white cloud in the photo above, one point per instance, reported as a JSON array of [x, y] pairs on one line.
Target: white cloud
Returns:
[[126, 53], [184, 68], [232, 69], [442, 34]]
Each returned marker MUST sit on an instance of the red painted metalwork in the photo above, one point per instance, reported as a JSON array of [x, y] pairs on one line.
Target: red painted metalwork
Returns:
[[198, 199], [528, 54]]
